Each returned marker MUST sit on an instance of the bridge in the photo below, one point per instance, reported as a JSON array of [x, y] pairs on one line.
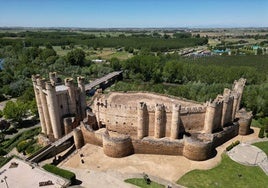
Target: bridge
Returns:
[[104, 80], [52, 149]]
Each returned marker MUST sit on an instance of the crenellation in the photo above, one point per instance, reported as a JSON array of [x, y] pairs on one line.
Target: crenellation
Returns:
[[53, 78]]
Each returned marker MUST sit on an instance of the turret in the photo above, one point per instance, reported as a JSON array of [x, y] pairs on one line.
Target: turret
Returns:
[[78, 138], [238, 87], [53, 78], [141, 129], [159, 123], [41, 86], [235, 104], [227, 107], [53, 110], [213, 116], [82, 96], [72, 96], [37, 93], [175, 122]]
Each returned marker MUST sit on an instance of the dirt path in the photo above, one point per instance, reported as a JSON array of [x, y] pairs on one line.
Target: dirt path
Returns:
[[98, 166]]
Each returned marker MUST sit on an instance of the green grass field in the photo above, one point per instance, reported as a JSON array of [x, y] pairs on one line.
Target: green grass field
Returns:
[[140, 182], [263, 146], [105, 53], [227, 174]]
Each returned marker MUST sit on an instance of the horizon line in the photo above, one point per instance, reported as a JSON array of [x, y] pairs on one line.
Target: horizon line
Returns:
[[165, 27]]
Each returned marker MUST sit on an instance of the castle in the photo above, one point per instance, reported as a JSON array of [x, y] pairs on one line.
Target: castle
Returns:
[[127, 123]]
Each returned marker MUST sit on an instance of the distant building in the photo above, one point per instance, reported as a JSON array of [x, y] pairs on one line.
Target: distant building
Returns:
[[220, 52], [98, 61], [255, 47]]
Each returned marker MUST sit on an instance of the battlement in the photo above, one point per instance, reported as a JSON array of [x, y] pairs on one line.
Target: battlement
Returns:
[[159, 107], [193, 109], [49, 86], [215, 103], [141, 105], [80, 80], [69, 82], [239, 84], [176, 107], [53, 78]]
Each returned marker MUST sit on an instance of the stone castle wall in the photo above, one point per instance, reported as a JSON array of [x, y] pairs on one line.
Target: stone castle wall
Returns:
[[123, 118], [135, 126], [123, 145]]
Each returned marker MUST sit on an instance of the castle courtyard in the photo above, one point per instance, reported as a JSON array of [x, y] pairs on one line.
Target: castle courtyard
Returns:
[[100, 170]]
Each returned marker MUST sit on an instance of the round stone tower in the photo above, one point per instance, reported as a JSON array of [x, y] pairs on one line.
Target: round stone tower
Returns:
[[175, 122], [82, 96], [78, 138], [41, 85], [72, 96], [37, 93], [209, 117], [159, 127], [53, 110], [141, 120]]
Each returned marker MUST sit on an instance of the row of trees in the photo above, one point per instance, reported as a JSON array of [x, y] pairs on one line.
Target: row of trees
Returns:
[[29, 39]]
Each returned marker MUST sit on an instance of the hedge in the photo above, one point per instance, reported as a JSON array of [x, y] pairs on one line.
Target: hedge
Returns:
[[232, 145], [60, 172], [261, 133]]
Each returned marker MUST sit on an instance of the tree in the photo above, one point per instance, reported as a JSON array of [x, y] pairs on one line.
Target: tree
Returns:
[[76, 57], [115, 63], [259, 51], [48, 46], [4, 125], [15, 111]]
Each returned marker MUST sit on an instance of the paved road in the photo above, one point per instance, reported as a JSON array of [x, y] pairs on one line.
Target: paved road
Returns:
[[247, 154]]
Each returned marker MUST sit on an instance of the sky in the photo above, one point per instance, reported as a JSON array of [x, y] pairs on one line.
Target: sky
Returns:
[[133, 13]]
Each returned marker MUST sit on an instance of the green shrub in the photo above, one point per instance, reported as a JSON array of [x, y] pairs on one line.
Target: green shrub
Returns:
[[236, 143], [14, 141], [4, 160], [32, 148], [2, 152], [23, 145], [266, 128], [233, 144], [60, 172], [228, 148], [261, 133]]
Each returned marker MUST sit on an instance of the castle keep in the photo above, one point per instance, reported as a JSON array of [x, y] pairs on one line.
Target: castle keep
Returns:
[[61, 107], [127, 123]]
